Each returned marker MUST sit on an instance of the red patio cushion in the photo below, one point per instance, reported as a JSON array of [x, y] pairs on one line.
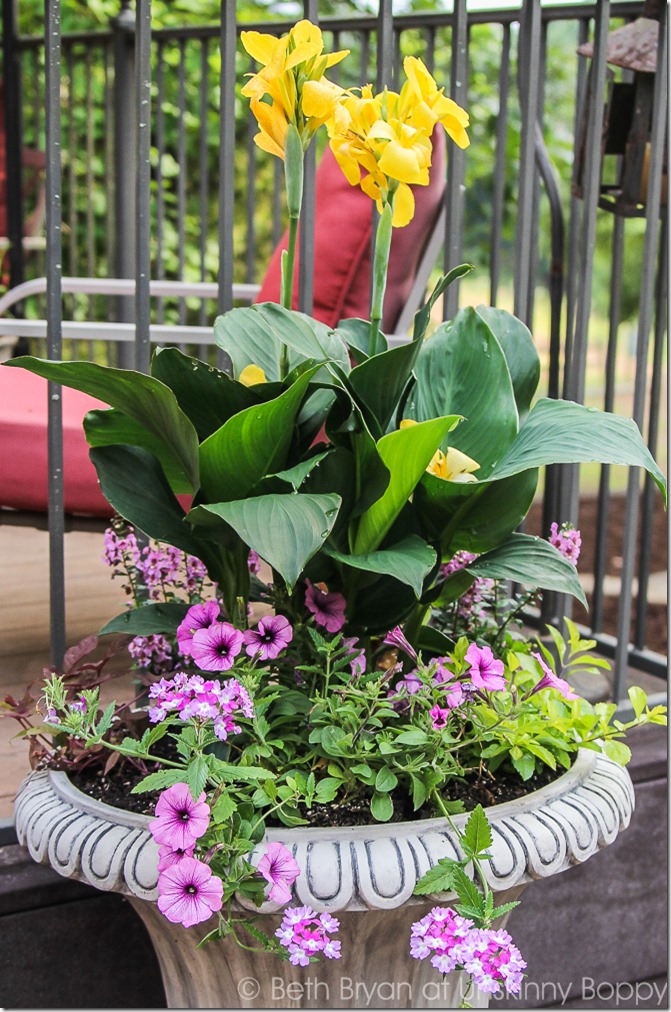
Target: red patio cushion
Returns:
[[23, 447], [343, 224]]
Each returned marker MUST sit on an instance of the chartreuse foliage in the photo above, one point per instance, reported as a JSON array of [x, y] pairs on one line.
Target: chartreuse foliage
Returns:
[[360, 512]]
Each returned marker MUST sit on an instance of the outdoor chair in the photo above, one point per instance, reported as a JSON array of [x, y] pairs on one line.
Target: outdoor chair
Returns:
[[343, 230]]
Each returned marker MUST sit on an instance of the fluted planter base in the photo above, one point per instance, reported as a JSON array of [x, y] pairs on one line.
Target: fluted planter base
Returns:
[[366, 876]]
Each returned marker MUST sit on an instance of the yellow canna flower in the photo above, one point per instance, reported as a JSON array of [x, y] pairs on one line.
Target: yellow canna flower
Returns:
[[290, 87], [251, 375], [451, 466], [426, 104]]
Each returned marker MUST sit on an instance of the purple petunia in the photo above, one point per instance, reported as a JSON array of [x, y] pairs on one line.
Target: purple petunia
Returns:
[[279, 868], [272, 634], [485, 671], [551, 681], [199, 616], [438, 718], [180, 820], [327, 608], [215, 648], [396, 638], [189, 893], [358, 655]]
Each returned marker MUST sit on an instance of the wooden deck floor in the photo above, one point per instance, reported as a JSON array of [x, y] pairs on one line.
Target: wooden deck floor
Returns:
[[92, 599]]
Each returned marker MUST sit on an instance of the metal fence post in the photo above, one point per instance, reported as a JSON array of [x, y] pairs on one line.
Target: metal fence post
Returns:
[[125, 161], [11, 60]]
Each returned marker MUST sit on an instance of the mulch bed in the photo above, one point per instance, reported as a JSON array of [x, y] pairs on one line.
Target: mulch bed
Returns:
[[657, 625]]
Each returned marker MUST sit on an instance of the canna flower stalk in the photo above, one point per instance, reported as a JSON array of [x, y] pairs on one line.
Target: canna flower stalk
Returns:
[[383, 144], [291, 98]]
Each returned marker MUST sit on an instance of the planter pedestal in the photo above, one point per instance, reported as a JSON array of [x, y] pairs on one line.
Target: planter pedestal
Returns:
[[365, 876]]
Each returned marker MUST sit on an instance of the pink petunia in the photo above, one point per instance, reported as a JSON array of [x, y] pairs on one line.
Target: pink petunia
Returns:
[[485, 671], [552, 681], [167, 856], [269, 639], [180, 820], [215, 648], [279, 868], [328, 609], [189, 893], [438, 717], [396, 638], [199, 616]]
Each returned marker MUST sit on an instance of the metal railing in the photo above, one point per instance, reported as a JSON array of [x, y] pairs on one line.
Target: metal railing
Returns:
[[192, 199]]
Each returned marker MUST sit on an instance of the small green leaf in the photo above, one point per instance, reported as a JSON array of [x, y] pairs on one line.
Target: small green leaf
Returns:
[[617, 751], [381, 807], [525, 764], [477, 836], [224, 808], [147, 620], [638, 699], [439, 879], [160, 780], [196, 776], [413, 736], [385, 780], [504, 908]]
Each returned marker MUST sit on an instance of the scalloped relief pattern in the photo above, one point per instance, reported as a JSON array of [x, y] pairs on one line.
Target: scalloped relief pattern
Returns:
[[370, 867]]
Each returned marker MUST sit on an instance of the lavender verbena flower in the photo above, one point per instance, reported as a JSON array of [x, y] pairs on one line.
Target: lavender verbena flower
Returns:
[[492, 960], [303, 934], [195, 573], [52, 716], [485, 671], [120, 549], [551, 681], [567, 540], [167, 856], [410, 685], [160, 568], [327, 608], [279, 868], [188, 892], [358, 653], [180, 820], [272, 634], [215, 648], [253, 563], [470, 604], [199, 616], [153, 652], [79, 705], [395, 638]]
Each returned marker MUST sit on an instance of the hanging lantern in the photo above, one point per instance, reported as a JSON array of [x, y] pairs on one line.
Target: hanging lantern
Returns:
[[628, 117]]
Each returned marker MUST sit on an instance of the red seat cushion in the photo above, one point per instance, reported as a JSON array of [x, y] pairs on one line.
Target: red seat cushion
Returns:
[[23, 447], [343, 224]]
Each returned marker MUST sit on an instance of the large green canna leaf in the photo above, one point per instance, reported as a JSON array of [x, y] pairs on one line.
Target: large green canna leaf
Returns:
[[562, 432], [410, 561], [143, 398], [532, 562], [356, 335], [406, 454], [147, 620], [206, 395], [114, 428], [257, 335], [285, 530], [520, 351], [380, 381], [250, 445], [462, 370], [133, 481]]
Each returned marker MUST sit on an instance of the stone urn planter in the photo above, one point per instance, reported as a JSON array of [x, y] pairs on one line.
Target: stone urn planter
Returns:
[[365, 875]]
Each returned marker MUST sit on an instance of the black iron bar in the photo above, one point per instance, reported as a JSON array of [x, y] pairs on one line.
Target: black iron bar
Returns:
[[456, 158], [499, 182], [143, 184]]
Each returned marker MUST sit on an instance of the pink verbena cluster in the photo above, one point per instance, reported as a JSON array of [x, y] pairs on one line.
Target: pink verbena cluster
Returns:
[[303, 933], [120, 550], [451, 942], [154, 653], [188, 892], [163, 570], [567, 540], [193, 697], [471, 604]]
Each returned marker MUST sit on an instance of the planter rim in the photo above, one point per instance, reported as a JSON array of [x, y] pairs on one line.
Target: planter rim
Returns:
[[579, 771]]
